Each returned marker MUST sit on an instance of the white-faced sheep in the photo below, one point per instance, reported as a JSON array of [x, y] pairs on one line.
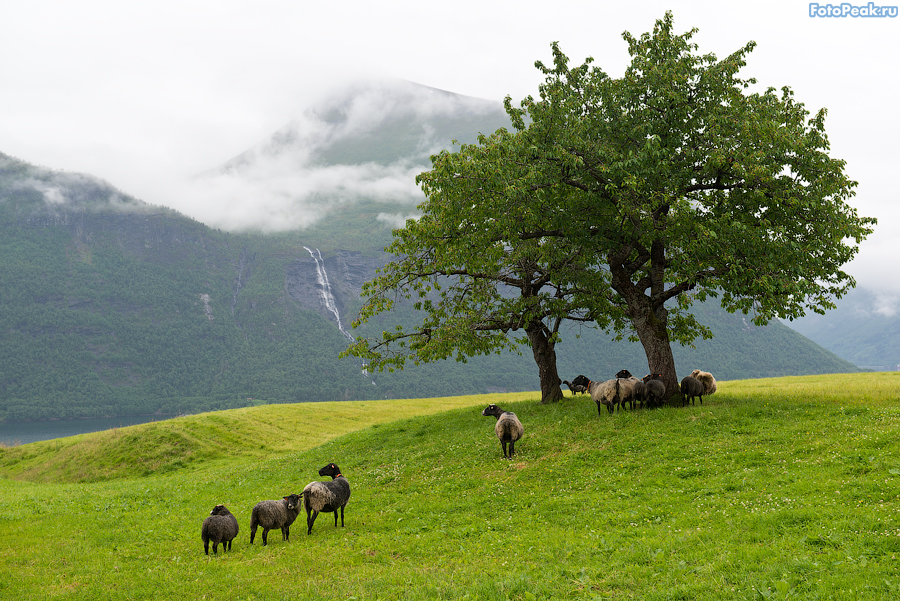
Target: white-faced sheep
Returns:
[[274, 514], [709, 382], [220, 527], [654, 390], [508, 428], [691, 387], [326, 497]]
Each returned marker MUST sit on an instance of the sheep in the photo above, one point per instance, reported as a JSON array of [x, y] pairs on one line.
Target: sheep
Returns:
[[630, 388], [508, 428], [326, 497], [274, 514], [654, 389], [605, 394], [220, 527], [575, 388], [709, 382], [691, 387]]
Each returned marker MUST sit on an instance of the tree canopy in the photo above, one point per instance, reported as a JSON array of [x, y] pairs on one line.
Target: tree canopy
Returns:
[[621, 201]]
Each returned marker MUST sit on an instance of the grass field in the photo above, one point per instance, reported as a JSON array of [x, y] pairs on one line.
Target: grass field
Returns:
[[773, 489]]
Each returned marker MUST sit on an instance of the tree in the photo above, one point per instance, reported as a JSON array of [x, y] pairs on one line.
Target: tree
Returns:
[[476, 273], [671, 184]]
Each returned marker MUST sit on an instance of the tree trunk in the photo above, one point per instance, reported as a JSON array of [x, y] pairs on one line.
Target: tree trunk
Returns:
[[545, 356], [651, 328]]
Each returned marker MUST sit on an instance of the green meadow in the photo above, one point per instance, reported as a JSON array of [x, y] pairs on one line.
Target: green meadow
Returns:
[[784, 488]]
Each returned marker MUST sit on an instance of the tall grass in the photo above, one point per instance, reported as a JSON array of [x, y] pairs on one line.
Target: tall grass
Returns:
[[773, 489]]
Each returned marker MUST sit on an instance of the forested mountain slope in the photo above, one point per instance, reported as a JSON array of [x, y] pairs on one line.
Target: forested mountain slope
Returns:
[[110, 306]]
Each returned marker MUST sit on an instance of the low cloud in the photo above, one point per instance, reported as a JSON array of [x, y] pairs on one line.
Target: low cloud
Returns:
[[367, 142]]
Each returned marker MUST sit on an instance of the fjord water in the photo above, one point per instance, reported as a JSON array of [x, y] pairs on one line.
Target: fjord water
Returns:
[[16, 433]]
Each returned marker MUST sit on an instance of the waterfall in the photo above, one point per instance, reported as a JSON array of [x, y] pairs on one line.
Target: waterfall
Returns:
[[324, 288]]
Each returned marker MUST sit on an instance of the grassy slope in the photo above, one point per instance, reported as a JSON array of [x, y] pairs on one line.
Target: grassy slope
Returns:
[[783, 488]]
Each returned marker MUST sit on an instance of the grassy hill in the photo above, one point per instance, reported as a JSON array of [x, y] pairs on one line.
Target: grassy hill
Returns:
[[773, 489]]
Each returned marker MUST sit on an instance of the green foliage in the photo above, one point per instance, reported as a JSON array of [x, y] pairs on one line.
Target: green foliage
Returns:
[[776, 489], [615, 196]]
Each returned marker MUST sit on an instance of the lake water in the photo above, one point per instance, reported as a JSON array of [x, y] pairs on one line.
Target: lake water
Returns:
[[16, 433]]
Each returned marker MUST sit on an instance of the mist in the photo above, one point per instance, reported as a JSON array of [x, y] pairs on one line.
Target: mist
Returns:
[[367, 141]]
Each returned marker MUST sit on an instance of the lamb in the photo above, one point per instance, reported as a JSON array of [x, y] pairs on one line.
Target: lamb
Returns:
[[327, 497], [709, 382], [575, 388], [691, 387], [654, 390], [508, 428], [220, 527], [274, 514]]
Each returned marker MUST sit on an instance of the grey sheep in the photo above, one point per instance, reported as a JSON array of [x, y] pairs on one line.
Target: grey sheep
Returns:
[[605, 394], [274, 514], [691, 387], [709, 382], [220, 527], [654, 390], [508, 428], [575, 388], [326, 497], [631, 389]]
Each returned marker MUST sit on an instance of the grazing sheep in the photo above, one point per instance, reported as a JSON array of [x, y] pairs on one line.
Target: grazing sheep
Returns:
[[709, 382], [508, 428], [575, 388], [274, 514], [220, 527], [326, 497], [654, 390], [691, 387]]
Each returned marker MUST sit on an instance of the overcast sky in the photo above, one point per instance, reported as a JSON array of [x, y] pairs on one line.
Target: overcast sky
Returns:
[[141, 93]]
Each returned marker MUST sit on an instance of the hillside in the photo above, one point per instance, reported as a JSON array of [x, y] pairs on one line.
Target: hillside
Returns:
[[111, 306], [756, 494], [858, 330]]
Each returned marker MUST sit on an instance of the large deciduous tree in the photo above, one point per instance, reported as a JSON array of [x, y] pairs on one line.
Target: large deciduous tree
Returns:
[[633, 197]]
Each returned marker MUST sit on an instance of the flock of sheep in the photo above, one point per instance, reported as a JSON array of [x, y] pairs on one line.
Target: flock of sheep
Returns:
[[648, 391], [617, 392], [221, 527]]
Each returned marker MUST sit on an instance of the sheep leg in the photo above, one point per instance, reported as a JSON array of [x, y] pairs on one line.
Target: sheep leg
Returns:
[[252, 533], [335, 516], [215, 549], [512, 448], [342, 517], [206, 546], [503, 445], [265, 536], [285, 533], [310, 520]]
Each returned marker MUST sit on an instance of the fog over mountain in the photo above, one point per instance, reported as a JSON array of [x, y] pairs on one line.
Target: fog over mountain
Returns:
[[336, 153]]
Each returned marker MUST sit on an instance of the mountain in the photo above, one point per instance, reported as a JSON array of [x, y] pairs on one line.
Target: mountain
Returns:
[[111, 306], [862, 329]]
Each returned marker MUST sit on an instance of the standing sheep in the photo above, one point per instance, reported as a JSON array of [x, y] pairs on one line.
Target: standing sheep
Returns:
[[654, 390], [605, 394], [575, 388], [631, 390], [326, 497], [274, 514], [508, 428], [220, 527], [691, 387], [709, 382]]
